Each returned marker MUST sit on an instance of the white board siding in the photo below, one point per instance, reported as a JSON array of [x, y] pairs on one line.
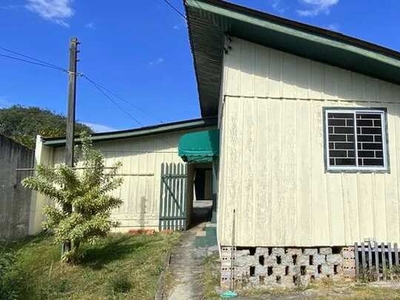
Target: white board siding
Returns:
[[141, 164], [272, 160]]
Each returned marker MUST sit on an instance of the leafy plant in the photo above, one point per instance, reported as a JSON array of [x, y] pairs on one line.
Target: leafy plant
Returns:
[[86, 190], [22, 124], [7, 288]]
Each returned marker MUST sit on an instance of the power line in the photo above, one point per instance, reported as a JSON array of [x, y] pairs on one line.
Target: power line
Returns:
[[32, 58], [111, 99], [100, 87], [127, 102], [33, 63], [175, 9], [42, 63]]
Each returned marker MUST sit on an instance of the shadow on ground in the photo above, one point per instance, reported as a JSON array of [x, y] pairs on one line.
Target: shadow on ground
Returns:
[[120, 247]]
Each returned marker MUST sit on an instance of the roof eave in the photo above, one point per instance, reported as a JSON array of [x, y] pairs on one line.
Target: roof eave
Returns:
[[227, 18], [139, 132]]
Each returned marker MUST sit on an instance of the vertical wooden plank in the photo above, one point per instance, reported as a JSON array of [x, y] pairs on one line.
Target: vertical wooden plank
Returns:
[[173, 196], [183, 198], [363, 263], [168, 193], [161, 212], [389, 251], [357, 261], [247, 66], [178, 196], [172, 186], [369, 258], [165, 191], [376, 253], [396, 255], [184, 201], [383, 261], [179, 222]]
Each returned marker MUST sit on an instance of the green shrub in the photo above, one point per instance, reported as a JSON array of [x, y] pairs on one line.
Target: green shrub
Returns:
[[8, 288]]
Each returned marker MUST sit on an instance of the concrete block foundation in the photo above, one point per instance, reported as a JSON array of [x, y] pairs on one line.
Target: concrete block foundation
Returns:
[[286, 267]]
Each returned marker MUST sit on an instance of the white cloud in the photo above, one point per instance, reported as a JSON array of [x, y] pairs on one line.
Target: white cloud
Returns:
[[277, 6], [9, 7], [57, 11], [90, 25], [157, 61], [317, 7], [333, 27], [99, 127], [176, 27]]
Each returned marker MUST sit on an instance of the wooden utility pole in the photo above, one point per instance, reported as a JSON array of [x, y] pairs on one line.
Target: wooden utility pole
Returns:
[[69, 146]]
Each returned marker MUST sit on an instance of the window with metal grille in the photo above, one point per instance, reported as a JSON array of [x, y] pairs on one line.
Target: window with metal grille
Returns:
[[355, 139]]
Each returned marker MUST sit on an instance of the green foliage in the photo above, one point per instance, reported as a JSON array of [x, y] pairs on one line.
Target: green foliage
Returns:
[[7, 288], [86, 189], [22, 124]]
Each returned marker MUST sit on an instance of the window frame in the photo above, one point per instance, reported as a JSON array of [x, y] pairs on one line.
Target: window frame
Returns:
[[355, 110]]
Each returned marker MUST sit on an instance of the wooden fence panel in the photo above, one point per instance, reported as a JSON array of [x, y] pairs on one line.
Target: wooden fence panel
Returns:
[[173, 197], [376, 261]]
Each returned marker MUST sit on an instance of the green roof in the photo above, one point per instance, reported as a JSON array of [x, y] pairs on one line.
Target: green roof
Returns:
[[210, 20], [143, 131], [199, 147]]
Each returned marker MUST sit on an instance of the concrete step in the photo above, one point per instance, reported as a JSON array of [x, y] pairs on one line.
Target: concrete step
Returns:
[[205, 242]]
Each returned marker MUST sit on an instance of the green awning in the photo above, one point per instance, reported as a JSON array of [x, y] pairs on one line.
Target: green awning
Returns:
[[199, 147]]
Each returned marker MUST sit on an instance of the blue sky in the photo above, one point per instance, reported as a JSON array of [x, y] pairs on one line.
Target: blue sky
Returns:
[[140, 50]]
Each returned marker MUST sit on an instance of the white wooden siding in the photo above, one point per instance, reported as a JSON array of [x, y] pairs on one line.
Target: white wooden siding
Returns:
[[272, 159], [141, 164]]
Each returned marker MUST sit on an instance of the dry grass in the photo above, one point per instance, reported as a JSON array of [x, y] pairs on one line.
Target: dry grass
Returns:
[[120, 267], [211, 277]]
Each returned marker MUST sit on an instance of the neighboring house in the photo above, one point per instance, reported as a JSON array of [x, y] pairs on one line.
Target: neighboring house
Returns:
[[14, 199], [309, 147], [154, 175]]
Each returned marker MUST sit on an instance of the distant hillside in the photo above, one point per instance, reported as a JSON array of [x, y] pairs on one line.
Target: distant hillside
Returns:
[[22, 124]]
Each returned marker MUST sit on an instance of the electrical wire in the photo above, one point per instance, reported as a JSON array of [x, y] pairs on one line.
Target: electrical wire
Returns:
[[175, 9], [98, 86], [126, 101], [32, 62], [100, 89], [32, 58]]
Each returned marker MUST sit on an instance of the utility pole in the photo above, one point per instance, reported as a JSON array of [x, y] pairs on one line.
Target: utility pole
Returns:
[[69, 145]]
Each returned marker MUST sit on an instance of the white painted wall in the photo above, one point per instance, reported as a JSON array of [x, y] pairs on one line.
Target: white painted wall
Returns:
[[272, 162], [141, 158], [44, 156]]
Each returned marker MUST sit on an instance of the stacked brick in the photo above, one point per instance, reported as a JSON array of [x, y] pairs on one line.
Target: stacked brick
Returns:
[[287, 267]]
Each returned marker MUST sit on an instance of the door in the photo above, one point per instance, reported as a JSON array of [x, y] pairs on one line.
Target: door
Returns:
[[173, 197]]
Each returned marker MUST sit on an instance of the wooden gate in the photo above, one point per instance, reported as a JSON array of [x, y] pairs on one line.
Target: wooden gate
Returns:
[[173, 197]]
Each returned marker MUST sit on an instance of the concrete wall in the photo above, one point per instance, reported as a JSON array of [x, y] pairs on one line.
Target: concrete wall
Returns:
[[14, 199], [272, 160]]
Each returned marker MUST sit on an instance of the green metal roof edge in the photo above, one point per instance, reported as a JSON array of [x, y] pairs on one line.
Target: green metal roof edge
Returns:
[[138, 132], [329, 41]]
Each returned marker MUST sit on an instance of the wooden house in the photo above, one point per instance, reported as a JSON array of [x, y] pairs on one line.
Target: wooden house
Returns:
[[306, 158]]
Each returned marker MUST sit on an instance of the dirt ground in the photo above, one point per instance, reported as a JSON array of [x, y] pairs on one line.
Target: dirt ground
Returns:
[[329, 290]]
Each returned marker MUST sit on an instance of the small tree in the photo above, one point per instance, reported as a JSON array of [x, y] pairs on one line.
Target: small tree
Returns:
[[86, 189]]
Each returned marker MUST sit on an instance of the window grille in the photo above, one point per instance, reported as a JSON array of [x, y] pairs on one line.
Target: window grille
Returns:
[[356, 139]]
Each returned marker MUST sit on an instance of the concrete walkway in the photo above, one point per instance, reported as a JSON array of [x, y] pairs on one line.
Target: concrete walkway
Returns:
[[186, 267], [186, 264]]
